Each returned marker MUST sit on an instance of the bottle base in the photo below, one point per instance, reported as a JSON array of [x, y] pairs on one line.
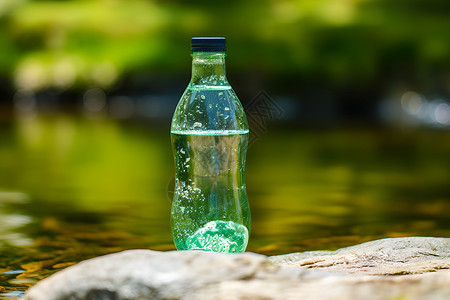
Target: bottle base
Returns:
[[219, 236]]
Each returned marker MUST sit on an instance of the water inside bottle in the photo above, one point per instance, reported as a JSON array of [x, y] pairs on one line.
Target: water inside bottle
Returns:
[[203, 108], [210, 210]]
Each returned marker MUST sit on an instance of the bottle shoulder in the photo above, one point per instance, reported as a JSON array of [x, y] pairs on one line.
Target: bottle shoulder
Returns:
[[209, 107]]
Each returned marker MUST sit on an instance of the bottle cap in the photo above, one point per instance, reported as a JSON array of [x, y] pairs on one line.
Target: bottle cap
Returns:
[[208, 44]]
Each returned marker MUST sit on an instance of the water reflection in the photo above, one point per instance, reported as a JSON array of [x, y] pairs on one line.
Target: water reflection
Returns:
[[11, 222]]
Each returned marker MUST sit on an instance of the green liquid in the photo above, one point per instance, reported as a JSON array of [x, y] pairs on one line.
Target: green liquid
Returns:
[[210, 210], [219, 236]]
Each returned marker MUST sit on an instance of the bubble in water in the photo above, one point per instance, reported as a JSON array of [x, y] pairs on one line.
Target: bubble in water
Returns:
[[219, 236]]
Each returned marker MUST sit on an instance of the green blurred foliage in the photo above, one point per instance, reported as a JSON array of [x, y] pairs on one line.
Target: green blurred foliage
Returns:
[[60, 43]]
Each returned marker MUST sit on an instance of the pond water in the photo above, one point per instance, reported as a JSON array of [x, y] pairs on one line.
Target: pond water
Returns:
[[72, 188]]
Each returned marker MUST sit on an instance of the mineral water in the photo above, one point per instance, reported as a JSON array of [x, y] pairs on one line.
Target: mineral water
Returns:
[[210, 209], [209, 133]]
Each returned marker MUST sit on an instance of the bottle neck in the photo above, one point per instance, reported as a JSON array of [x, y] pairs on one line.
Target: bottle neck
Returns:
[[208, 69]]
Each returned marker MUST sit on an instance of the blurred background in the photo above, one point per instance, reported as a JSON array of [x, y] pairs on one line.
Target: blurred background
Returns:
[[348, 103]]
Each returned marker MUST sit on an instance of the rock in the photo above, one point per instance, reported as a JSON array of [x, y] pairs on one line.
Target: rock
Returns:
[[187, 275], [146, 274], [411, 255]]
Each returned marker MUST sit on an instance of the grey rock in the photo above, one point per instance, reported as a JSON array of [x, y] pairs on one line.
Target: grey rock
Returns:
[[187, 275], [146, 274], [411, 255]]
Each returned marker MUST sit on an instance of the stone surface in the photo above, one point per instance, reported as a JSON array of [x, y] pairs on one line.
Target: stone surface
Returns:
[[411, 255], [146, 274]]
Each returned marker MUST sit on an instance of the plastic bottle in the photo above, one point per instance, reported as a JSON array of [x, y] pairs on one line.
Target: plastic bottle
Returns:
[[209, 132]]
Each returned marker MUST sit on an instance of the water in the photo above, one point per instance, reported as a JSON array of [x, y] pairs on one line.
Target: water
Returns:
[[210, 209], [219, 236], [207, 108]]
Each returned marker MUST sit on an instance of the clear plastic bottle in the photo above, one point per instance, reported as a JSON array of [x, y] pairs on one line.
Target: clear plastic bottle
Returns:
[[209, 132]]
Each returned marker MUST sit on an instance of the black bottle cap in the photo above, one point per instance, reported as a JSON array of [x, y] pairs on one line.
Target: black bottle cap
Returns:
[[208, 44]]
